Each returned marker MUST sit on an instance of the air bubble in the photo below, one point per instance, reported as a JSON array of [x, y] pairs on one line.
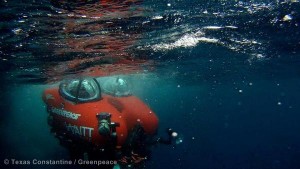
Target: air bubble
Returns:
[[287, 18]]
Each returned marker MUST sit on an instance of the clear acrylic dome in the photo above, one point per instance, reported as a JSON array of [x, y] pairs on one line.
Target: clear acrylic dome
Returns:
[[80, 90]]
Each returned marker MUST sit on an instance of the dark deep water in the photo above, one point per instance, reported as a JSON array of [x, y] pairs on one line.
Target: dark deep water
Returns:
[[224, 74]]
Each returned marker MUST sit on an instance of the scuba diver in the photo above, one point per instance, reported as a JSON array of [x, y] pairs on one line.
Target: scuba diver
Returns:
[[113, 125]]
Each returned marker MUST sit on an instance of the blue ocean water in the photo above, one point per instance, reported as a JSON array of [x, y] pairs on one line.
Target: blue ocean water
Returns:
[[224, 74]]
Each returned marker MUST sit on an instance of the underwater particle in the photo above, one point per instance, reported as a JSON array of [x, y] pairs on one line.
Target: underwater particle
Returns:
[[174, 134], [178, 138], [193, 138], [212, 27], [240, 91], [231, 27], [179, 141], [178, 86], [279, 103], [287, 18], [18, 45], [205, 12], [168, 4], [157, 17], [250, 84], [259, 56], [143, 24], [17, 31]]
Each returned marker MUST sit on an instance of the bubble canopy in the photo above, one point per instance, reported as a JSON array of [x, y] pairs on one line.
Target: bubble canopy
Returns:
[[116, 86], [80, 90]]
